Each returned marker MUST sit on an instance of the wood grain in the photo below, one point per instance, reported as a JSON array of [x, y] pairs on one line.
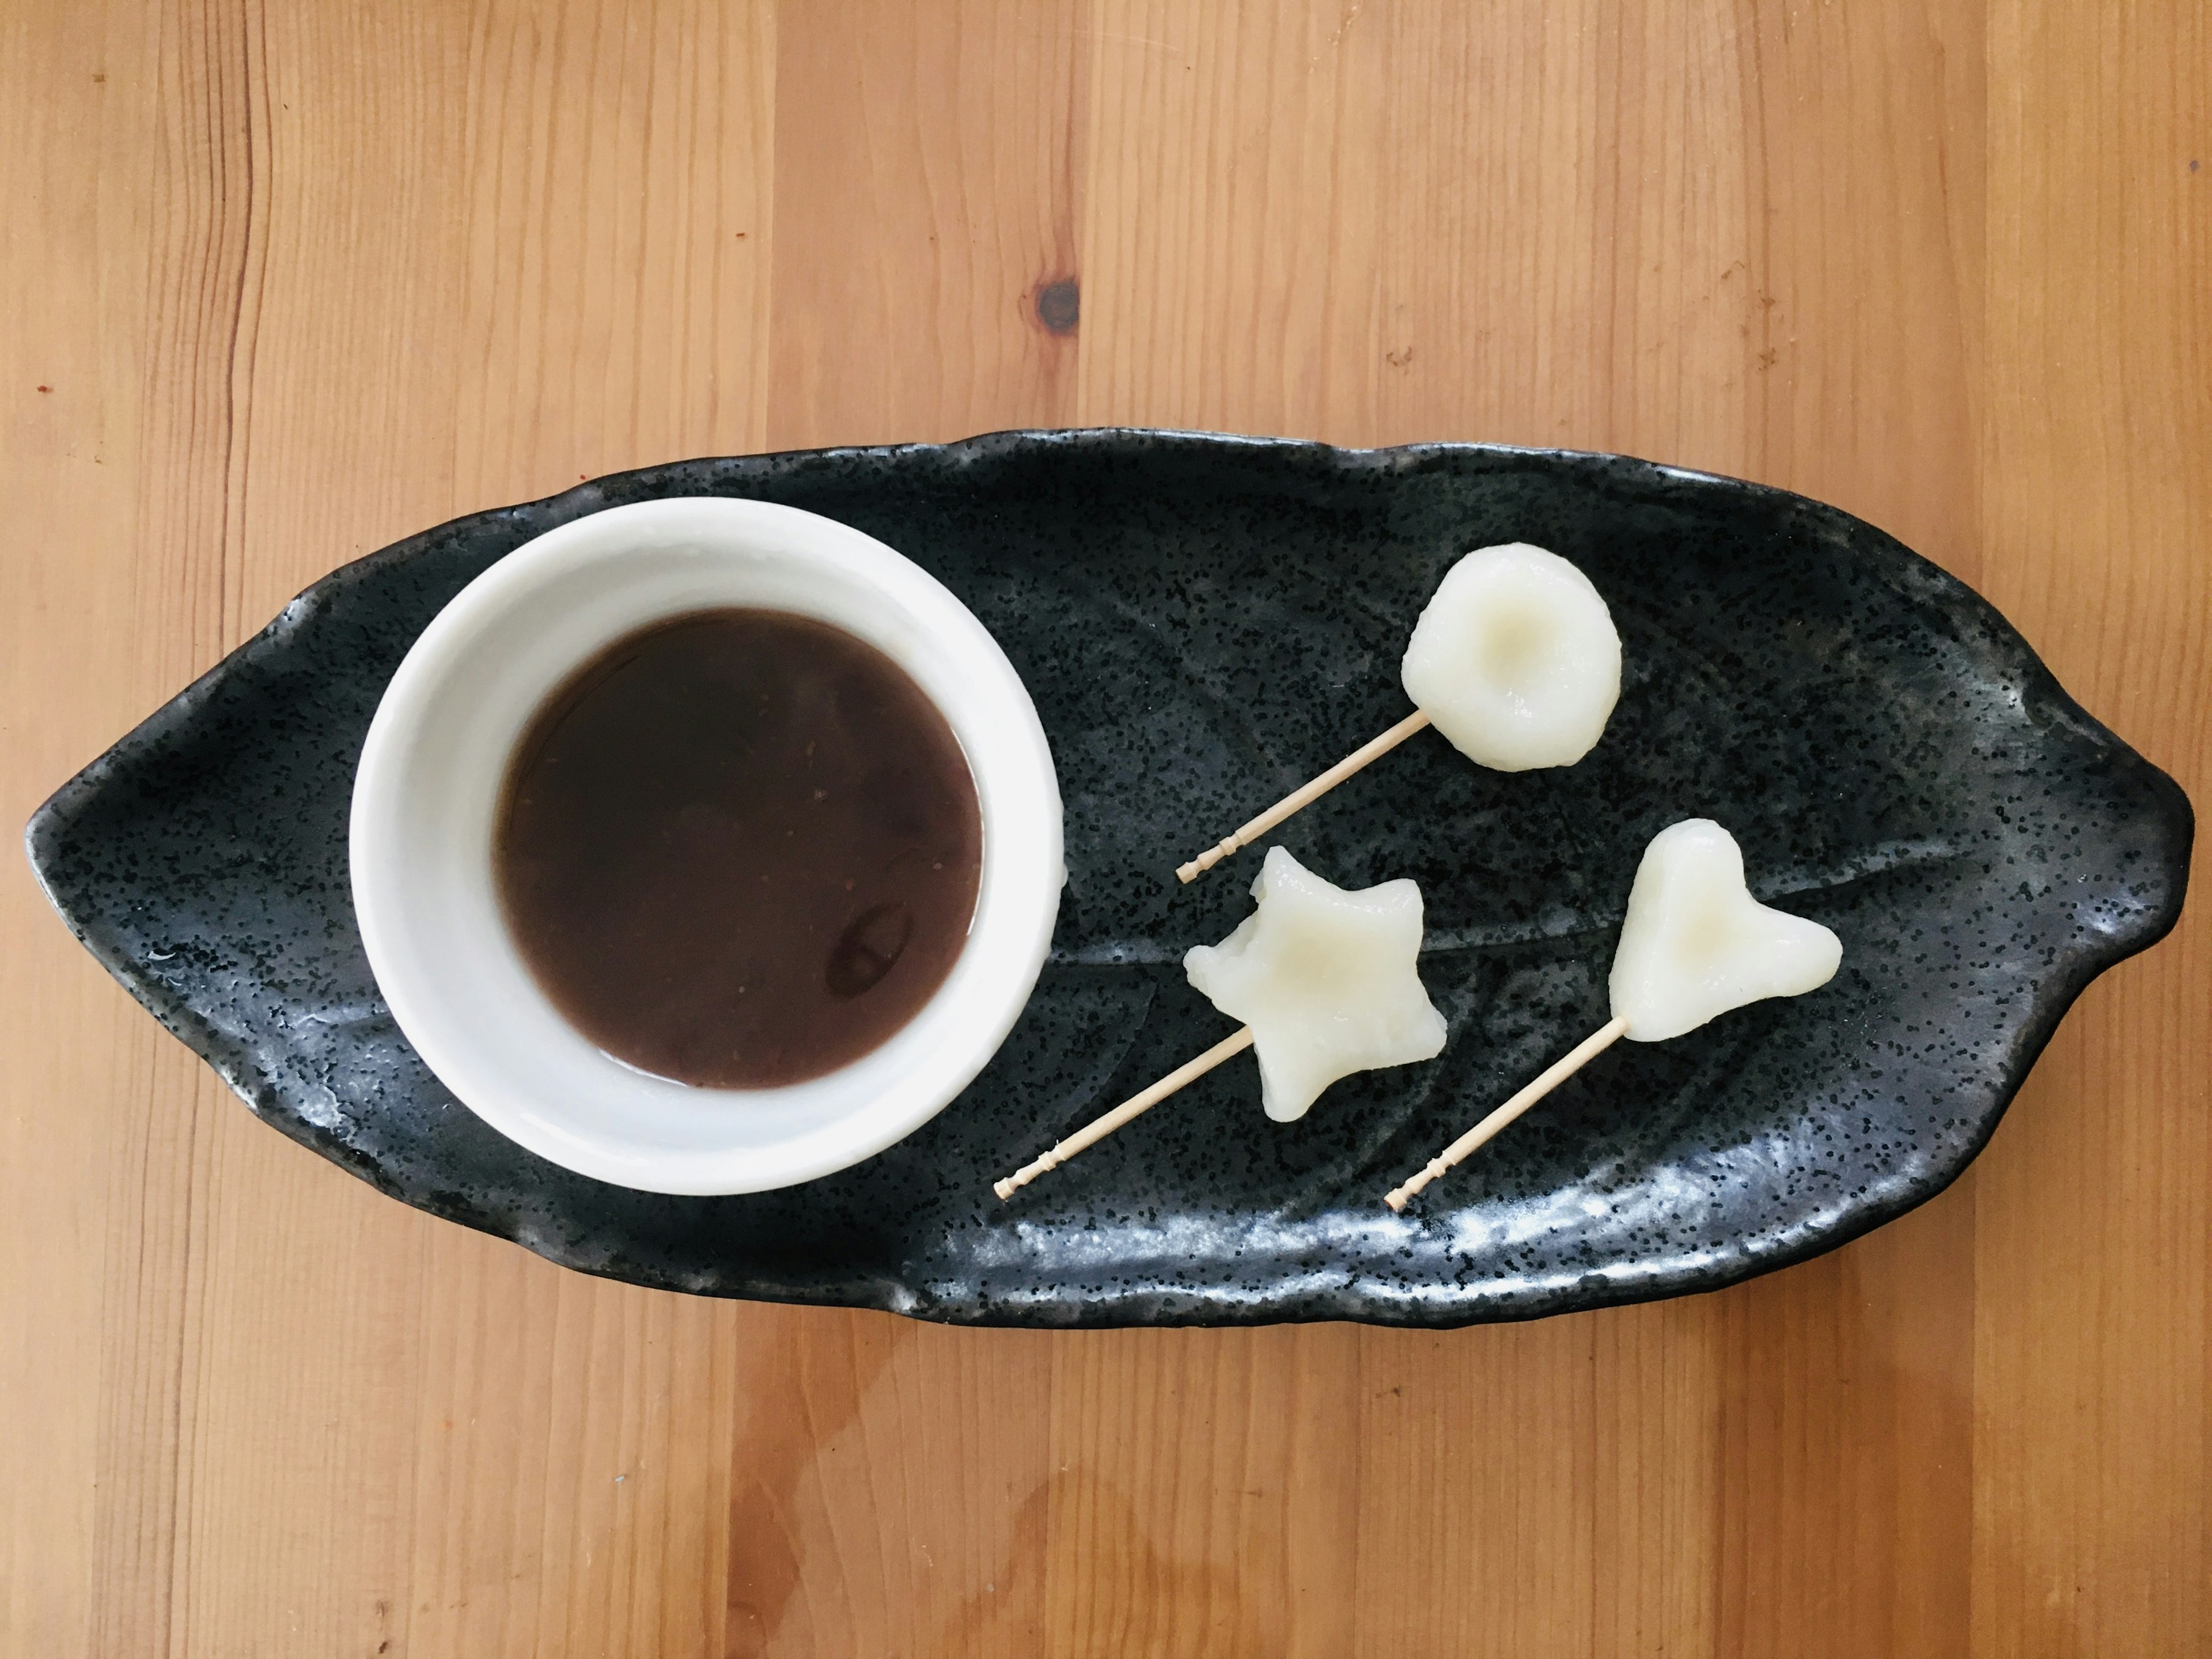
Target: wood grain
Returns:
[[292, 278], [2099, 413], [928, 187]]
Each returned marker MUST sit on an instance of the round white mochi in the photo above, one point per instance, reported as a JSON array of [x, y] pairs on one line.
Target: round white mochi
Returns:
[[1695, 944], [1516, 659]]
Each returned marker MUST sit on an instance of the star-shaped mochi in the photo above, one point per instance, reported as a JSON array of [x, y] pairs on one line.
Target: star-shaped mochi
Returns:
[[1695, 944], [1327, 980]]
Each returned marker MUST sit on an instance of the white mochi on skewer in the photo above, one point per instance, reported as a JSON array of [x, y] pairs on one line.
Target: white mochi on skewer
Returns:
[[1694, 945], [1515, 661], [1327, 980]]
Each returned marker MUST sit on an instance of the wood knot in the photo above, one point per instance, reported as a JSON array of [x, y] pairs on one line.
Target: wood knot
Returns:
[[1059, 304]]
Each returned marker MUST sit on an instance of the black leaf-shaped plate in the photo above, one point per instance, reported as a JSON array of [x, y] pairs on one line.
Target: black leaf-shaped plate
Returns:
[[1205, 622]]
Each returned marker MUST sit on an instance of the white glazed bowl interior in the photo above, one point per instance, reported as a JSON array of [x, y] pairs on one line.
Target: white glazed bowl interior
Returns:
[[427, 793]]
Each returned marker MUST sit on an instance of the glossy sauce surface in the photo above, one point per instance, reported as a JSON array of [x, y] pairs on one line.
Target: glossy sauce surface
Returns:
[[738, 848]]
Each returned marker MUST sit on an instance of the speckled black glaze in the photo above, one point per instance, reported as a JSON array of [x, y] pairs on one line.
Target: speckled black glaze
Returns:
[[1205, 622]]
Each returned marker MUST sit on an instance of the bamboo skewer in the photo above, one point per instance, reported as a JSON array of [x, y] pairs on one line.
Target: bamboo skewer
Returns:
[[1304, 796], [1099, 1127], [1590, 1047]]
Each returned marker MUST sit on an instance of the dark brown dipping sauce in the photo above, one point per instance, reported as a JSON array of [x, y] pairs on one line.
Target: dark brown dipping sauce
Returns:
[[738, 848]]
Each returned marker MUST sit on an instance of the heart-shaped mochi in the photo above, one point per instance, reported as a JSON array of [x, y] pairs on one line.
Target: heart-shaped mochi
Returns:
[[1695, 944]]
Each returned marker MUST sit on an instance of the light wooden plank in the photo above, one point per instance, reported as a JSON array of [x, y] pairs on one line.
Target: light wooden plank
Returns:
[[929, 170], [2091, 1382], [71, 242], [615, 193], [887, 1493], [1191, 1470], [1236, 174]]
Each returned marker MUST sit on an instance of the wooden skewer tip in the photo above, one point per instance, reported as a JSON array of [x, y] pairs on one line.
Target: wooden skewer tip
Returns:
[[1142, 1101], [1552, 1077], [1213, 856], [1304, 795]]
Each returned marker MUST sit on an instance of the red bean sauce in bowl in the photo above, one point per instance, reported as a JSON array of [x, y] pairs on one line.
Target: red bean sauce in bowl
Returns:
[[738, 848]]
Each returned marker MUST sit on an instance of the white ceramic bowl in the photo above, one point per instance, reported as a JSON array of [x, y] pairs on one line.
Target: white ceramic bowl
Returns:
[[427, 790]]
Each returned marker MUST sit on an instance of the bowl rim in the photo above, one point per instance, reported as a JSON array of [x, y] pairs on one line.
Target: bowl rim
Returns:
[[927, 627]]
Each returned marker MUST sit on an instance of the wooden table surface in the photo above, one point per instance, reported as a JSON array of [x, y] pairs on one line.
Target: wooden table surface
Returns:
[[282, 281]]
